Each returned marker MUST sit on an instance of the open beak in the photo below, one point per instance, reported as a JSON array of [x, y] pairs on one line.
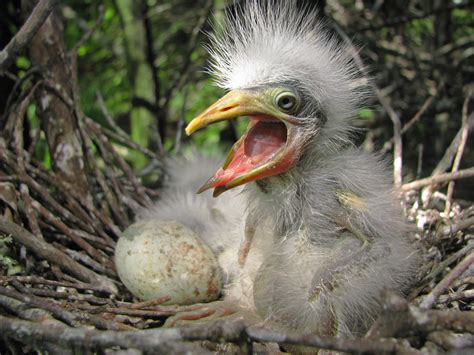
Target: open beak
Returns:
[[234, 104], [271, 145]]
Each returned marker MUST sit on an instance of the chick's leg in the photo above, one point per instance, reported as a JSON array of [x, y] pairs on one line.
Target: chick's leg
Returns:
[[203, 312], [238, 295]]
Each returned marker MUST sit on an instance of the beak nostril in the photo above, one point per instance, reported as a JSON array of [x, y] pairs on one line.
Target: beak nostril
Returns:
[[227, 108]]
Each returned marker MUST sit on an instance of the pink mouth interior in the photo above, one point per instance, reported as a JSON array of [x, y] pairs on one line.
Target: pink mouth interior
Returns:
[[262, 141]]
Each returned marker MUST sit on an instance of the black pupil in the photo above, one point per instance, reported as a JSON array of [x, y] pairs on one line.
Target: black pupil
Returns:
[[286, 102]]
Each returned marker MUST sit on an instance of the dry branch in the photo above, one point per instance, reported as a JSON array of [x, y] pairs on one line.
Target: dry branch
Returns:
[[438, 179], [24, 36], [156, 340], [454, 228], [389, 144], [59, 312], [37, 280], [441, 287], [459, 152], [53, 255], [401, 319]]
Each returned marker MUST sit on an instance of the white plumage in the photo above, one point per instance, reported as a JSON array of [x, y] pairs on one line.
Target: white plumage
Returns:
[[274, 42], [329, 234]]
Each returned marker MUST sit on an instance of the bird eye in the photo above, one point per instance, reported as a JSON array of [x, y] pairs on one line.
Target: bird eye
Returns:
[[286, 101]]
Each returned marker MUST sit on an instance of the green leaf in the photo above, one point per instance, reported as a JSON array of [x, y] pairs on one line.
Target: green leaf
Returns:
[[23, 63]]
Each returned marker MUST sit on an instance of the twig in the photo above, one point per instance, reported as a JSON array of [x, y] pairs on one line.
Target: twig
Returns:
[[126, 141], [180, 124], [86, 260], [447, 159], [19, 148], [388, 145], [454, 228], [397, 138], [118, 134], [457, 296], [32, 220], [441, 267], [451, 340], [18, 43], [419, 166], [459, 153], [150, 303], [431, 298], [158, 133], [33, 314], [88, 34], [139, 189], [148, 313], [9, 178], [10, 76], [59, 312], [118, 192], [8, 159], [18, 83], [401, 319], [339, 344], [16, 116], [74, 200], [58, 295], [193, 40], [108, 117], [457, 44], [397, 126], [154, 340], [468, 280], [437, 179], [47, 252], [75, 237], [404, 19], [98, 242], [37, 280]]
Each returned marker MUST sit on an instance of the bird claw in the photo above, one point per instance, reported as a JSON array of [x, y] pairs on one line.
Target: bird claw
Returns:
[[202, 312]]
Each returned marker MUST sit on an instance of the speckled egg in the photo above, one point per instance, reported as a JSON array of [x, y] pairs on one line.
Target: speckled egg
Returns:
[[156, 258]]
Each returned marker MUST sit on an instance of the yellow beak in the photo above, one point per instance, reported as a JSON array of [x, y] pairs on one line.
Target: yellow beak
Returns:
[[235, 103], [240, 166]]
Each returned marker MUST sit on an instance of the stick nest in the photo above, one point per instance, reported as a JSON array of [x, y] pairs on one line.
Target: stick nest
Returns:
[[59, 288], [59, 222]]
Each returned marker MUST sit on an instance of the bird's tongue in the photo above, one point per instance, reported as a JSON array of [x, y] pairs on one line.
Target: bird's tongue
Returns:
[[260, 144]]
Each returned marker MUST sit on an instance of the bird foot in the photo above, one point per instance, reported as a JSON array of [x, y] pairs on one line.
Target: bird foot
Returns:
[[203, 312]]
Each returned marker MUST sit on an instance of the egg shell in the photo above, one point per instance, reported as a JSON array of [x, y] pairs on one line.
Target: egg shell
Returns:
[[156, 258]]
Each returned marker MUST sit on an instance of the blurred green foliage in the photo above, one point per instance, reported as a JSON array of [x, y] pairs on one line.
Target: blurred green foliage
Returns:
[[102, 65], [400, 58]]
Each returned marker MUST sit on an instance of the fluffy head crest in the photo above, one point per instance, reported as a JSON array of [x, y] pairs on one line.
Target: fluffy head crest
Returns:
[[275, 42]]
